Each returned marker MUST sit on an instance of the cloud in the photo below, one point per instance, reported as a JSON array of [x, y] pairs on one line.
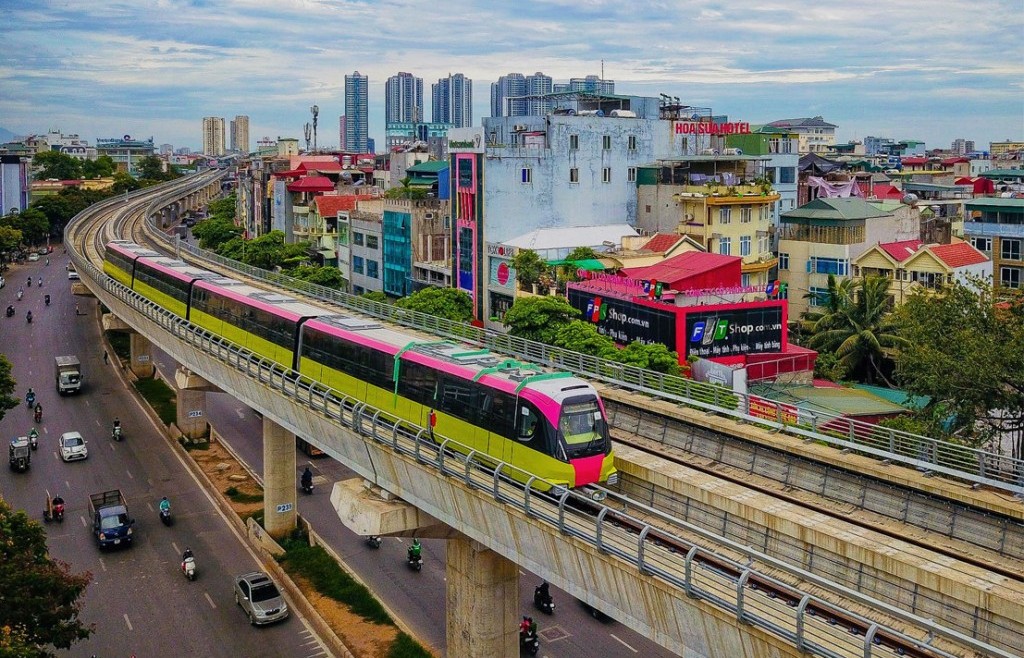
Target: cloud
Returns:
[[159, 67]]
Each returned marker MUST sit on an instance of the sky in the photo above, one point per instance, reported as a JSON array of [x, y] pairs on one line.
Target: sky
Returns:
[[931, 70]]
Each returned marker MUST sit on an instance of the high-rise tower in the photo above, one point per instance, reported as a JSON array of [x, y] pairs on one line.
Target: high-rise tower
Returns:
[[403, 99], [452, 101], [357, 118], [213, 135], [508, 87], [240, 134]]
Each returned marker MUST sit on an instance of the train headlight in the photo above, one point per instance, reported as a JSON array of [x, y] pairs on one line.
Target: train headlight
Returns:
[[613, 479], [599, 495]]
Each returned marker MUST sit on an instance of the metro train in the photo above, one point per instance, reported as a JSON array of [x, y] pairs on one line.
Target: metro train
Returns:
[[550, 424]]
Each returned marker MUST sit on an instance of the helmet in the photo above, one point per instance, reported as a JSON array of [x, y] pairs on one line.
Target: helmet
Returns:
[[415, 542]]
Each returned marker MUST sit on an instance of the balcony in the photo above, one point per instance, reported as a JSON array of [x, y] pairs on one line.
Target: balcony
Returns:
[[988, 229], [727, 194]]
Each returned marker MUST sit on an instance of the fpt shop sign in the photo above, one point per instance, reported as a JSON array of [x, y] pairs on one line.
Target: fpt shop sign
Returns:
[[727, 333], [625, 322]]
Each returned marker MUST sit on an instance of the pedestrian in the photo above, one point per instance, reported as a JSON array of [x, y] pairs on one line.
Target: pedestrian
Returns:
[[77, 311], [106, 359]]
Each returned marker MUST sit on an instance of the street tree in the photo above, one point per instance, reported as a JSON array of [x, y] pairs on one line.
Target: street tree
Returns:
[[582, 336], [54, 164], [124, 182], [965, 351], [222, 208], [101, 167], [329, 277], [214, 232], [10, 238], [376, 296], [650, 356], [539, 318], [32, 223], [40, 598], [449, 303], [7, 386]]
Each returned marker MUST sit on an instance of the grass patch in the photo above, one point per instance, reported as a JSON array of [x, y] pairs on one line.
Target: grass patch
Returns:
[[241, 497], [193, 445], [120, 341], [160, 396], [257, 516], [406, 647], [314, 564]]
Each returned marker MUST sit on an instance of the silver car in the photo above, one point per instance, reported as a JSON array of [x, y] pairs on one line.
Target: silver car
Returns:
[[259, 597], [72, 446]]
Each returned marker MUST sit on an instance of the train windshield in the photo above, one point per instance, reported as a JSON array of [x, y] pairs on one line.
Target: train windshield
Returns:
[[583, 428]]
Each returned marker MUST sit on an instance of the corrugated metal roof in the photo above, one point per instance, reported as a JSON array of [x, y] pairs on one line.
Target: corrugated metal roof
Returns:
[[844, 401], [835, 209], [572, 237], [958, 254], [902, 250], [428, 167], [680, 267]]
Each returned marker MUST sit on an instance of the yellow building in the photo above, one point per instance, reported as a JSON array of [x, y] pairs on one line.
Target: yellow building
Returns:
[[910, 265], [999, 149]]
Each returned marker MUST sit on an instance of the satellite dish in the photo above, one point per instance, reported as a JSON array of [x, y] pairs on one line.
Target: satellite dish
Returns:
[[909, 199]]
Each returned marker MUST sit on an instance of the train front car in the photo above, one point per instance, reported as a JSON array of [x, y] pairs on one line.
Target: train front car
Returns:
[[119, 260], [574, 419]]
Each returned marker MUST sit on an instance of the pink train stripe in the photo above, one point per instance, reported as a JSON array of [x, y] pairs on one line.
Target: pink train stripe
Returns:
[[357, 337], [588, 469]]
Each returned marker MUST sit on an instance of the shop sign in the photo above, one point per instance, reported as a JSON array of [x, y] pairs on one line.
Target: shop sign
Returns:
[[462, 140], [769, 410], [624, 321], [711, 128], [721, 333], [501, 275], [495, 249]]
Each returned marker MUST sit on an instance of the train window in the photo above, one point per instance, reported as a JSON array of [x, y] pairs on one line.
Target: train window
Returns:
[[417, 383], [528, 423], [121, 261], [496, 412], [458, 397]]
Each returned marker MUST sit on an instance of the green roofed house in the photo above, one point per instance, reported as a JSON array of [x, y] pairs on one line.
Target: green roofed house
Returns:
[[823, 237]]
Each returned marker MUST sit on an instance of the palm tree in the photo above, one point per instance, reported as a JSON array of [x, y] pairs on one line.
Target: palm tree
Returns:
[[857, 327], [838, 296]]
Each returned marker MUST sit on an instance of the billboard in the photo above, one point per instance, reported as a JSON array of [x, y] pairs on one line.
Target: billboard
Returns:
[[624, 321], [724, 332]]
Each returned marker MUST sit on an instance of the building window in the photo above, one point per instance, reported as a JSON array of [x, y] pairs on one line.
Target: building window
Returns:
[[447, 222], [357, 264], [783, 261], [1009, 249], [358, 290], [787, 175], [357, 238], [818, 297], [606, 175], [372, 269], [764, 213], [746, 214], [725, 215], [762, 245], [574, 142], [526, 175], [744, 246], [606, 142], [725, 246], [631, 143], [574, 175], [982, 244], [647, 209], [745, 280], [1009, 277], [837, 266], [372, 242], [631, 174]]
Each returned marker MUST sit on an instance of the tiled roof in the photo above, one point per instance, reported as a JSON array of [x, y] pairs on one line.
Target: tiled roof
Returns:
[[323, 167], [806, 122], [328, 206], [661, 242], [913, 160], [312, 184], [902, 250], [834, 209], [679, 267], [881, 191], [958, 254]]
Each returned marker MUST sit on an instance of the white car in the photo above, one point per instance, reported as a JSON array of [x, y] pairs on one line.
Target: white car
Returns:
[[72, 274], [3, 282], [33, 256], [72, 446]]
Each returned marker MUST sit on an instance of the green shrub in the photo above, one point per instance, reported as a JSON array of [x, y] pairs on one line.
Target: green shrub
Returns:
[[240, 497], [121, 344], [406, 647], [160, 396]]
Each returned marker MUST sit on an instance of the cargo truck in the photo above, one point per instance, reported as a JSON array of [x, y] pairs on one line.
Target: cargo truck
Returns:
[[110, 521], [69, 374]]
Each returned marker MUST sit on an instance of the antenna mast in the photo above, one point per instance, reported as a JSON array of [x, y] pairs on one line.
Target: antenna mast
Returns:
[[316, 112]]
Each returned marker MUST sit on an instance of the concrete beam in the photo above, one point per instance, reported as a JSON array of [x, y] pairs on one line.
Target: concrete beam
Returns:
[[279, 476], [113, 323], [482, 601], [141, 356], [366, 509], [80, 289], [186, 379]]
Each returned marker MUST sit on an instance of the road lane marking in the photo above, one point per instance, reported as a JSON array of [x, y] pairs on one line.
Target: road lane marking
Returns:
[[212, 604], [623, 643], [150, 506], [130, 476], [68, 484], [85, 524], [127, 621], [174, 545], [97, 422], [103, 564], [46, 431], [240, 413], [111, 446]]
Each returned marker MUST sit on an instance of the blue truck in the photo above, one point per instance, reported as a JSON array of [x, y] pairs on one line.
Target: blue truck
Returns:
[[111, 523]]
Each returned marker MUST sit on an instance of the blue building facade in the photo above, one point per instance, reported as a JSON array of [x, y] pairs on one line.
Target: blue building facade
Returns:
[[397, 255]]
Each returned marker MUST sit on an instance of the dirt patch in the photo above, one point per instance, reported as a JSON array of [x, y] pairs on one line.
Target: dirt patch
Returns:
[[363, 639], [225, 472]]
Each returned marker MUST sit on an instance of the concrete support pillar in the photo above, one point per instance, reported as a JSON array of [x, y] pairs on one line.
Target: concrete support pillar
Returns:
[[483, 601], [279, 479], [142, 356], [192, 390]]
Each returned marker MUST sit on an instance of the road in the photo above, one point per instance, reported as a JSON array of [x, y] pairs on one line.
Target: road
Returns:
[[138, 601]]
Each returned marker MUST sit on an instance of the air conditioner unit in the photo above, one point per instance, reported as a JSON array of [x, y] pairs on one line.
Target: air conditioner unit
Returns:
[[519, 127], [732, 151], [709, 152]]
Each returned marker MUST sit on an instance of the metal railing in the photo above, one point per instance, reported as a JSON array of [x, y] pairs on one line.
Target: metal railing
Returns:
[[806, 620], [895, 446]]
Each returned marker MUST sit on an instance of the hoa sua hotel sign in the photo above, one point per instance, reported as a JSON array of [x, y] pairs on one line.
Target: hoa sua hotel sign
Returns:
[[710, 128]]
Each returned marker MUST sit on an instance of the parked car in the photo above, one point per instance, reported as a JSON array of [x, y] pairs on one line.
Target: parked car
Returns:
[[72, 274], [72, 446], [259, 597], [33, 256]]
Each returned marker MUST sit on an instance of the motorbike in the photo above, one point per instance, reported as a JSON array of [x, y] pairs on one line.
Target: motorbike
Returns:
[[30, 400], [29, 284], [307, 486], [39, 415], [10, 311], [544, 604], [529, 642], [116, 433], [20, 294], [165, 517], [54, 510], [414, 562], [46, 299], [188, 568], [373, 541], [33, 438], [28, 317]]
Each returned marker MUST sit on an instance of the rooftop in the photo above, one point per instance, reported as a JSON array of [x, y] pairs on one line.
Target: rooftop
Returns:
[[661, 242], [834, 209], [428, 167], [571, 237], [901, 251], [958, 254], [690, 263], [805, 122]]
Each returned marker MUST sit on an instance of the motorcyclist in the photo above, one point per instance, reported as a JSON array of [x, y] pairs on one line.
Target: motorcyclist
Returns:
[[187, 554], [30, 396], [21, 293], [543, 592], [28, 316], [46, 298], [29, 285], [524, 625], [307, 478], [532, 630], [10, 310], [33, 437], [117, 424], [165, 505], [415, 550], [39, 409], [40, 282]]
